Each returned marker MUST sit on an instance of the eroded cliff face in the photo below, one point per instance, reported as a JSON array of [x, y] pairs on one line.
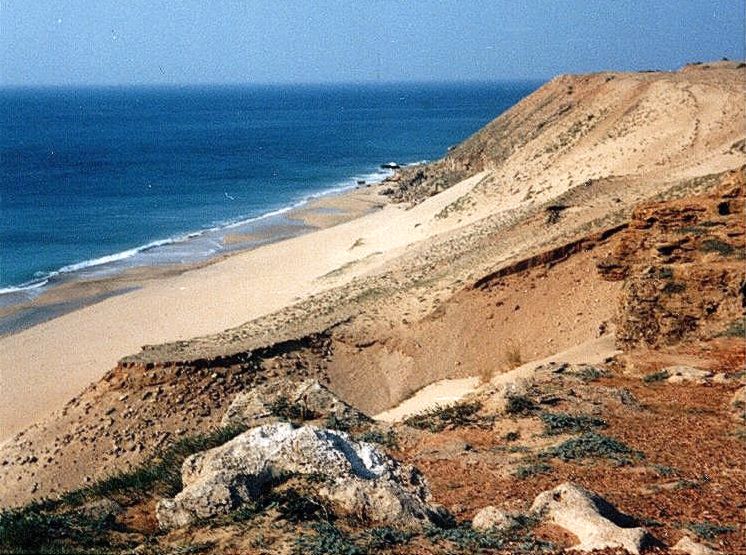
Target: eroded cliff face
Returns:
[[684, 267]]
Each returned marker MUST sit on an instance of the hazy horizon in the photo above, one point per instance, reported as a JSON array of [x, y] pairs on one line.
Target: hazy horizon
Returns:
[[107, 43]]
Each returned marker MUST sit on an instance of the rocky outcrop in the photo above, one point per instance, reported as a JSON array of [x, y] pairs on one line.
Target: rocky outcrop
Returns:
[[353, 477], [307, 400], [682, 262], [595, 522]]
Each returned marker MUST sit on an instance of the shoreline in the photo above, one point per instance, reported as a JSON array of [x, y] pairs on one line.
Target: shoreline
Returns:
[[47, 364], [76, 290]]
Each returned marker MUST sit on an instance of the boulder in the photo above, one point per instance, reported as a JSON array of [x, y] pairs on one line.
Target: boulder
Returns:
[[492, 518], [681, 374], [690, 547], [309, 399], [595, 522], [353, 477]]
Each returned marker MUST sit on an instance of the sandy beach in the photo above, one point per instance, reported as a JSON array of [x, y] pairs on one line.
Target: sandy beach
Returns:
[[85, 343], [96, 322]]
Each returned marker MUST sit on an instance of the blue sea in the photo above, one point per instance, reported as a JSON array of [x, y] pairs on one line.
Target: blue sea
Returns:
[[93, 178]]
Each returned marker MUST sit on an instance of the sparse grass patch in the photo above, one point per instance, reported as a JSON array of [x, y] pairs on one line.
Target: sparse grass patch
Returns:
[[464, 536], [716, 245], [691, 229], [387, 438], [590, 373], [674, 287], [33, 529], [512, 356], [664, 272], [283, 408], [327, 540], [708, 531], [53, 526], [386, 536], [465, 539], [453, 416], [593, 445], [512, 436], [556, 423], [664, 471], [519, 404], [656, 377], [737, 328], [162, 473], [528, 470]]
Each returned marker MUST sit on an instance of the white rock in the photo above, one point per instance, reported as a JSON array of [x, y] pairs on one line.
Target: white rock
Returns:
[[359, 478], [492, 518], [681, 374], [690, 547], [596, 523]]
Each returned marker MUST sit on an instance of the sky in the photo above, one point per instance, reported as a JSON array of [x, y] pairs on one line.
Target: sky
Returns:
[[126, 42]]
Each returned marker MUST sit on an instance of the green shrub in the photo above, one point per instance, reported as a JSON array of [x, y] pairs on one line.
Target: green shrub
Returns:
[[556, 423], [716, 245], [512, 436], [708, 531], [593, 445], [327, 540], [589, 373], [534, 469], [519, 404], [674, 287], [34, 529], [441, 418], [386, 536], [464, 536], [656, 377], [387, 438], [283, 408], [737, 328]]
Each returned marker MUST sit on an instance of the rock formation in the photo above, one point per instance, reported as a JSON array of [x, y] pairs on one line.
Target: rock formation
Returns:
[[682, 262], [355, 477], [596, 523]]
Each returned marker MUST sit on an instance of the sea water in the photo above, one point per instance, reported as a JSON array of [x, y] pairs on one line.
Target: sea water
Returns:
[[103, 178]]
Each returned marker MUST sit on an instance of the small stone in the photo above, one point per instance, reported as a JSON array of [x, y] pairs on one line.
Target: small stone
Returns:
[[690, 547], [492, 518], [681, 373]]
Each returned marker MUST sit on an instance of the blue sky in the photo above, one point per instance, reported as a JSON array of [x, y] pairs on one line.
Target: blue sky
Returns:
[[122, 42]]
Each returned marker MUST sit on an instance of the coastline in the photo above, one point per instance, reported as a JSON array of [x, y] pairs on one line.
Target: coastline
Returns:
[[50, 363], [90, 285], [46, 364]]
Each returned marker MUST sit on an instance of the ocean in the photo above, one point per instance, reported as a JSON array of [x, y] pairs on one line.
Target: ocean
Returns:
[[97, 179]]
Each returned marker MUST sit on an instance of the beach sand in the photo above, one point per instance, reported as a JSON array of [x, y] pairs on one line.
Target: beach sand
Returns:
[[47, 364]]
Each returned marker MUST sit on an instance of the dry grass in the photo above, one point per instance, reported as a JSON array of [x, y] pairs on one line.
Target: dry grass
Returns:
[[511, 356], [485, 374]]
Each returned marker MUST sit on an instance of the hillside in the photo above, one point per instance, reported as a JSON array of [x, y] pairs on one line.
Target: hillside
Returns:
[[580, 259]]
